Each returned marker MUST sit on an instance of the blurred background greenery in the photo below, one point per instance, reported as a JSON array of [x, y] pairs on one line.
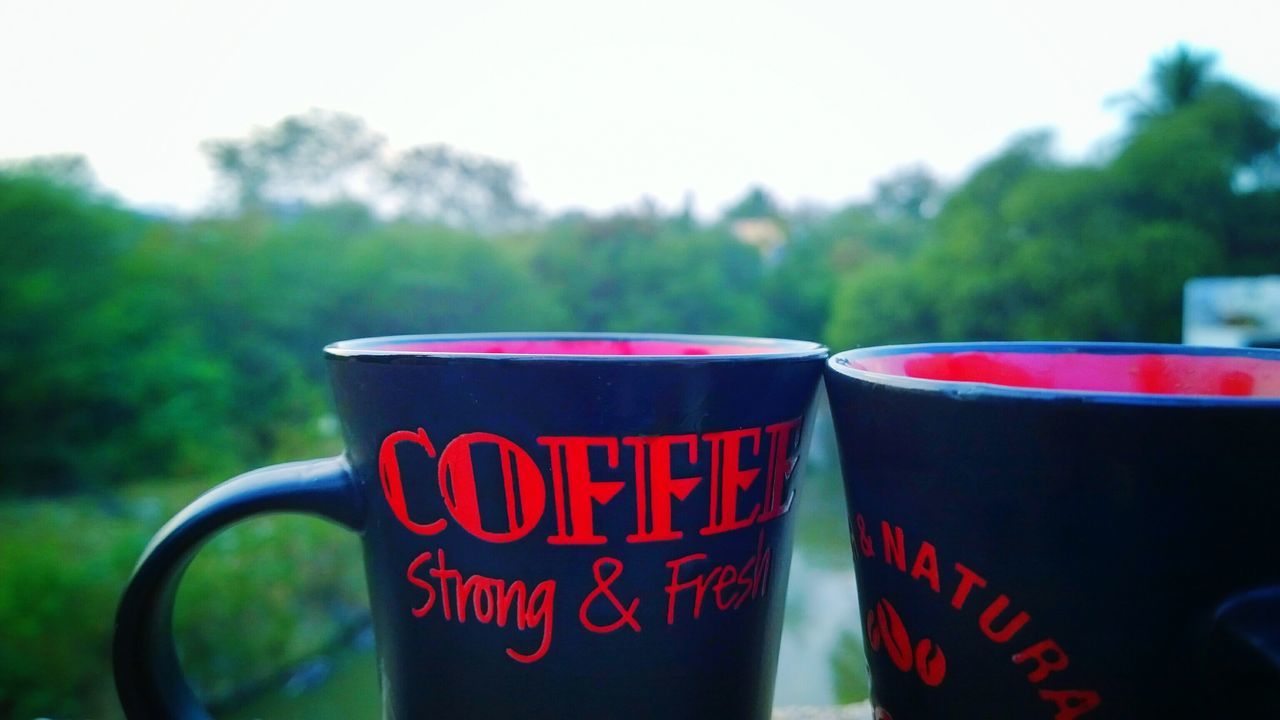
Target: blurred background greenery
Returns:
[[145, 356]]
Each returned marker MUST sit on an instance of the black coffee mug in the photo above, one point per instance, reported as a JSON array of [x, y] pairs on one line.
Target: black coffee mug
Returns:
[[1064, 530], [554, 526]]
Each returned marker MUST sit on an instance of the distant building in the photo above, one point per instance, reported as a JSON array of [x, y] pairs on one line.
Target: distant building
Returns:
[[1232, 311], [763, 233]]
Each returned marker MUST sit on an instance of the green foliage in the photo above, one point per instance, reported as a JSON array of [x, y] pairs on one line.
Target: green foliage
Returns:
[[136, 347], [69, 170], [295, 583], [58, 248], [852, 680], [350, 692], [1030, 248], [1177, 79], [799, 288], [909, 192], [141, 348], [757, 203], [646, 273]]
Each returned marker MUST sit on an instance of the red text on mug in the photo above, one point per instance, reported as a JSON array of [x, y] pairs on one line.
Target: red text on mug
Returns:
[[561, 484], [964, 589]]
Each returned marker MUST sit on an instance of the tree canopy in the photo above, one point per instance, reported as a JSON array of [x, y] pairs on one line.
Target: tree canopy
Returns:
[[134, 345], [1030, 247]]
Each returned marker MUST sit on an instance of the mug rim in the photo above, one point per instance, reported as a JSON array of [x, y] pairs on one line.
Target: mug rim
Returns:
[[838, 364], [374, 348]]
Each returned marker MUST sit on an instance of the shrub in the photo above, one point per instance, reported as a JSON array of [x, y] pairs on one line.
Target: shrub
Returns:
[[258, 598]]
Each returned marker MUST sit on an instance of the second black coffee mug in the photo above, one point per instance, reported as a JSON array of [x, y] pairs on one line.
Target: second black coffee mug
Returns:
[[1064, 530], [554, 526]]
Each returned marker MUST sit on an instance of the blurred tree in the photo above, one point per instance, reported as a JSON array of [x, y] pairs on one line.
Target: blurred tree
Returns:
[[437, 183], [315, 156], [1206, 160], [911, 192], [1030, 248], [825, 246], [189, 347], [267, 298], [1177, 79], [798, 288], [323, 158], [58, 250], [947, 288], [132, 347], [70, 170], [644, 272], [757, 203]]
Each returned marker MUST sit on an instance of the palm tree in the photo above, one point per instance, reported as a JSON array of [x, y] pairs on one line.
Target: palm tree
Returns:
[[1177, 80], [1180, 78]]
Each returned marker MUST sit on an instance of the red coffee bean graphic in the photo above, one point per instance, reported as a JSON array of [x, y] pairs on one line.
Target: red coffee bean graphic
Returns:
[[896, 641], [931, 664]]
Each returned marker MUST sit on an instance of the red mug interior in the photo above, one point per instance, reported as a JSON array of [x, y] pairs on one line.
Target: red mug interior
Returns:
[[1144, 373]]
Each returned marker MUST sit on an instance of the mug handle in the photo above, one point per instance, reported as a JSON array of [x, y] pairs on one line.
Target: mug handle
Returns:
[[148, 677], [1244, 652]]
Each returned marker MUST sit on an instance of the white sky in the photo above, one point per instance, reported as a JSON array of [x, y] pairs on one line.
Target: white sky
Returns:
[[599, 103]]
